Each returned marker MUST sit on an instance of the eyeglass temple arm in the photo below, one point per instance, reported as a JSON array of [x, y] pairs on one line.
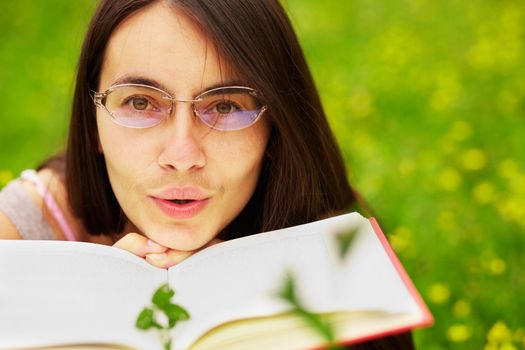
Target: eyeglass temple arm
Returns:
[[97, 97]]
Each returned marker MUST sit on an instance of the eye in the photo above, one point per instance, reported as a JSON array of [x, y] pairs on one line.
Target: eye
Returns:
[[225, 107], [139, 103]]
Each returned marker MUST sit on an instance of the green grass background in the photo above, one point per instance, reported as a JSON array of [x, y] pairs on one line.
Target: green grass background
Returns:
[[426, 100]]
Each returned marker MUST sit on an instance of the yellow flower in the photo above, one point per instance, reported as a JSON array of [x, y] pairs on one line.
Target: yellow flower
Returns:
[[458, 333], [448, 89], [439, 293], [474, 159], [508, 168], [499, 333], [497, 266], [442, 99], [512, 208], [461, 308], [507, 346], [449, 179], [460, 130], [481, 55], [400, 239], [484, 192]]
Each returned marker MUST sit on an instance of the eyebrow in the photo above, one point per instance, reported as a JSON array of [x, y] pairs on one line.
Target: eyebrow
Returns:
[[135, 79]]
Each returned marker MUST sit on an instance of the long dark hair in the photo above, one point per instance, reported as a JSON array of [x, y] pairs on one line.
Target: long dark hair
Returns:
[[303, 175]]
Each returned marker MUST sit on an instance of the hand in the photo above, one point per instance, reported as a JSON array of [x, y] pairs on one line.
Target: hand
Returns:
[[154, 253]]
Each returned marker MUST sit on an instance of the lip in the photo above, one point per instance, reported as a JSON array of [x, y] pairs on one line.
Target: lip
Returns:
[[182, 193], [180, 211], [164, 201]]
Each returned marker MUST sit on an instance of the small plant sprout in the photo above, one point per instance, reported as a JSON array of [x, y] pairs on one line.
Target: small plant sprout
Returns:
[[162, 315], [316, 322], [344, 241]]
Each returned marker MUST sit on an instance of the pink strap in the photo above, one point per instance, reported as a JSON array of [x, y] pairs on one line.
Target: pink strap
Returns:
[[50, 202]]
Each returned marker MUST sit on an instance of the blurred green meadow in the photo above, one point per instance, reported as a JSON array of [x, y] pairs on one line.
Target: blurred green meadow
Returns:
[[427, 101]]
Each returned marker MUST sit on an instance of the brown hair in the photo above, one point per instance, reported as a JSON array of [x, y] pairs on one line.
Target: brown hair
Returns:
[[303, 176]]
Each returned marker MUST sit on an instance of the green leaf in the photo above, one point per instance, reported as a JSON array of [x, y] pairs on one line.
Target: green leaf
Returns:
[[161, 300], [344, 241], [145, 319], [175, 313], [287, 292], [162, 296], [315, 321], [167, 344], [178, 312]]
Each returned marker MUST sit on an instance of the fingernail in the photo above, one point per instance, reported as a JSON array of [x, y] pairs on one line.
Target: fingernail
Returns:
[[156, 256], [153, 244]]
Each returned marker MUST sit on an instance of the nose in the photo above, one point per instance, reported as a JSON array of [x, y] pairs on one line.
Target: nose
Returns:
[[182, 145]]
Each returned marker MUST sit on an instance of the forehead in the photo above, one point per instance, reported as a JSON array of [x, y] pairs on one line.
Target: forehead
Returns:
[[160, 43]]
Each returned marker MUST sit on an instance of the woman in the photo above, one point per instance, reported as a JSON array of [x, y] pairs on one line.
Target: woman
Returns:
[[192, 122]]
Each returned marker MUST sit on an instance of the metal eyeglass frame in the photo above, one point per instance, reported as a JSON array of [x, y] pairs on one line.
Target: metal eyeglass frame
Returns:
[[99, 100]]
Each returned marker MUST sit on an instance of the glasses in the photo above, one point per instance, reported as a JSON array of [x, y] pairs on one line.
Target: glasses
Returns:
[[226, 108]]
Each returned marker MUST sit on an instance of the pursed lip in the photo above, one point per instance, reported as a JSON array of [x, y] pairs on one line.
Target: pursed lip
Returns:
[[169, 201], [182, 193]]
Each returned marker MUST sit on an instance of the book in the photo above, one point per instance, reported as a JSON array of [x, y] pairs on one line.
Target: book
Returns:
[[81, 295]]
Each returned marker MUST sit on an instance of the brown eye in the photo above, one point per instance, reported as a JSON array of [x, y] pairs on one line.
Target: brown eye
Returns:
[[224, 107], [140, 103]]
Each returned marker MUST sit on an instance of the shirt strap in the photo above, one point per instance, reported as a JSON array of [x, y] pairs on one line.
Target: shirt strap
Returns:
[[50, 202]]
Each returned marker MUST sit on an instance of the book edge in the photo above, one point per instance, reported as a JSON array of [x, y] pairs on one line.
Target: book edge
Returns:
[[387, 333], [427, 318]]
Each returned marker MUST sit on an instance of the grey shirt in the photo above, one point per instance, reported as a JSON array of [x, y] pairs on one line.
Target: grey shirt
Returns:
[[24, 213]]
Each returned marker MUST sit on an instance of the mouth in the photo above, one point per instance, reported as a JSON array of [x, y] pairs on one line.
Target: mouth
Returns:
[[181, 209], [181, 201]]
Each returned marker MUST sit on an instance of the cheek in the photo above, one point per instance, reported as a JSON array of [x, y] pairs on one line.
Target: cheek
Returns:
[[241, 157], [118, 144], [119, 151]]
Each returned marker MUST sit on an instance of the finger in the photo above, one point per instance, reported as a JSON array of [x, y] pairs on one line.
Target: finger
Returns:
[[167, 259], [172, 257], [139, 245]]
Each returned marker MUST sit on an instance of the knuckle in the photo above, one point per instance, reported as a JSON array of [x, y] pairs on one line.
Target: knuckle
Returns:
[[132, 242], [157, 259]]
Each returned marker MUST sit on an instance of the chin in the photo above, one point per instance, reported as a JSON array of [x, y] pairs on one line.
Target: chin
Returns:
[[182, 240], [184, 247]]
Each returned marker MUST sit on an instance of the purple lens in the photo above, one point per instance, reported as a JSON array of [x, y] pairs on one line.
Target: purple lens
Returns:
[[137, 106], [229, 122], [137, 122], [228, 108]]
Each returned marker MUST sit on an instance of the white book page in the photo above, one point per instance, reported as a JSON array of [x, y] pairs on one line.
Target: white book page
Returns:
[[240, 278], [56, 292], [367, 280]]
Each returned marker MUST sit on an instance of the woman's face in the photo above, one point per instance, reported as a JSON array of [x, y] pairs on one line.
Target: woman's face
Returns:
[[180, 182]]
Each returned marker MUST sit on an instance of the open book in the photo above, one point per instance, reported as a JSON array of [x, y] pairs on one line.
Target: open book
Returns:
[[73, 293]]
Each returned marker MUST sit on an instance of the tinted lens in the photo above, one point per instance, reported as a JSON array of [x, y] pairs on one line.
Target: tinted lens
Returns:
[[137, 106], [228, 108]]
